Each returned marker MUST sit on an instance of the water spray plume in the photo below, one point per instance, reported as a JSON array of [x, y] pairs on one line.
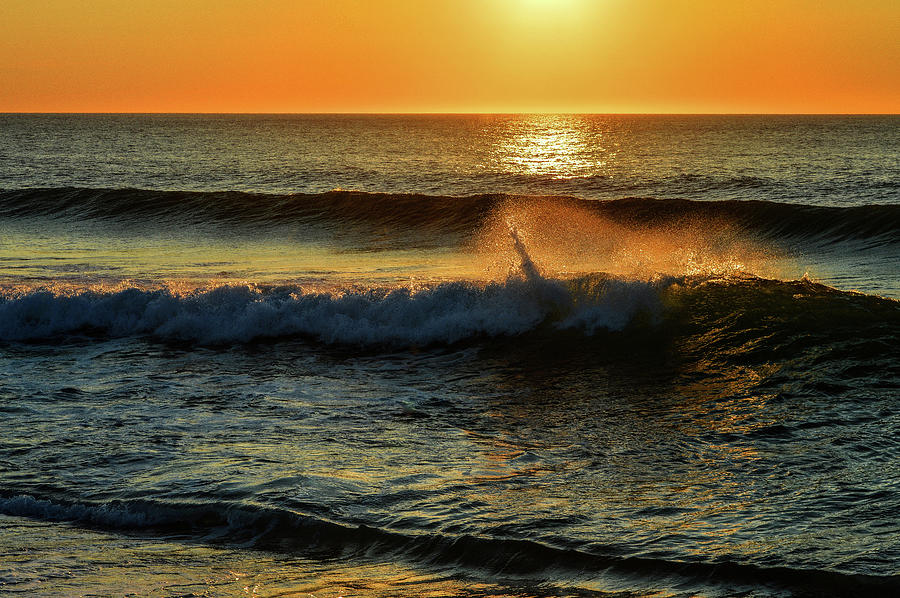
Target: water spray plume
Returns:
[[527, 265], [566, 239]]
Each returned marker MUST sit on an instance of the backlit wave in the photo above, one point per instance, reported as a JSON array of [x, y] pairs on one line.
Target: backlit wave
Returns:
[[438, 214], [452, 312]]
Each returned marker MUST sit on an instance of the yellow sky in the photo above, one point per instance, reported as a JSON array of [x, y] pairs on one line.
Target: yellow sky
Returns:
[[602, 56]]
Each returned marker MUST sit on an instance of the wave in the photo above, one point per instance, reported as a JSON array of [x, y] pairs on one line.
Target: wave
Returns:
[[439, 214], [452, 312], [285, 530], [443, 313]]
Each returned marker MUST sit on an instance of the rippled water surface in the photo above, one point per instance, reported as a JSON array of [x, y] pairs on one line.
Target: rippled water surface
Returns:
[[819, 160]]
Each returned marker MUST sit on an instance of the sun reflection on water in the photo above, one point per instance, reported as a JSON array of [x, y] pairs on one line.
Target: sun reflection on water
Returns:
[[556, 146]]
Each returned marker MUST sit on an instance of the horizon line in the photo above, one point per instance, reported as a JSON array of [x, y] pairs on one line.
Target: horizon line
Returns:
[[462, 113]]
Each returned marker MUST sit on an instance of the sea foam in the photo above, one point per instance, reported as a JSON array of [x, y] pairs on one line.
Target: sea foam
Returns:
[[442, 313]]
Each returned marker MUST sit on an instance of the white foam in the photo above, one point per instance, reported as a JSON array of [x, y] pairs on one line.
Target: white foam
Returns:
[[444, 313]]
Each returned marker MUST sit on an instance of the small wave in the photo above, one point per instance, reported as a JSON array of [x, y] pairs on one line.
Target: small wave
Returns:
[[439, 214], [284, 530], [241, 523]]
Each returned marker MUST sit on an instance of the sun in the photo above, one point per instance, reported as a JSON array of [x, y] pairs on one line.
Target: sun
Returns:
[[532, 14], [554, 6], [546, 6]]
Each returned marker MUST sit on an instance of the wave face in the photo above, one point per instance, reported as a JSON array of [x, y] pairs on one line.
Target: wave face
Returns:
[[246, 209], [436, 214]]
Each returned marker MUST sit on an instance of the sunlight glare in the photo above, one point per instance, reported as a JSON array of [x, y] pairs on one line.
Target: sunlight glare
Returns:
[[553, 145], [539, 11]]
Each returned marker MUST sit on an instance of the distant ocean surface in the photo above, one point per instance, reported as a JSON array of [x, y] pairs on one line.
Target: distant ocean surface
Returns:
[[549, 355]]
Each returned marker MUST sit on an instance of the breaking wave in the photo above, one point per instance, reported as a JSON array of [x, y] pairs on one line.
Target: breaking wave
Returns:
[[447, 313], [443, 313]]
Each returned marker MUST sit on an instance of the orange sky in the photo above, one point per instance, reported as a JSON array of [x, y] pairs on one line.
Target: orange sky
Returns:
[[599, 56]]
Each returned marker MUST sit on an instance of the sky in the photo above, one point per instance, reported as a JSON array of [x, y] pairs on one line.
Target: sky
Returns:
[[584, 56]]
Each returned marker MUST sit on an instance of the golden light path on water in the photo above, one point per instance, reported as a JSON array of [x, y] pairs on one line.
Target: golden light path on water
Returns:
[[558, 146]]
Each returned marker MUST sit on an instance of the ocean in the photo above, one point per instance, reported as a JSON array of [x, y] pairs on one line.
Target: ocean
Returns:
[[449, 355]]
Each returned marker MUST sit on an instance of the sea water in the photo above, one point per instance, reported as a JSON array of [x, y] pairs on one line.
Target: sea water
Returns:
[[547, 355]]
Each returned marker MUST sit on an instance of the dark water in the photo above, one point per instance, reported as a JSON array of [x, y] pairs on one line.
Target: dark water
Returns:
[[524, 356]]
